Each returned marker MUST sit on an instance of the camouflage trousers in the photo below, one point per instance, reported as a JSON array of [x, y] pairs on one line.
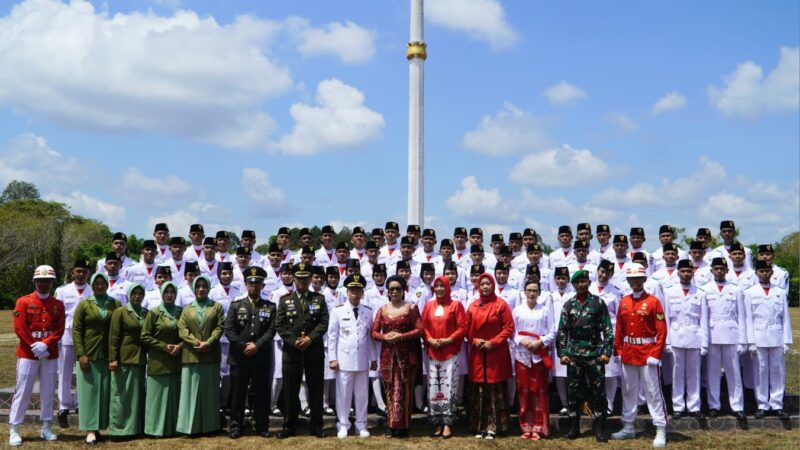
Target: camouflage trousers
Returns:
[[586, 383]]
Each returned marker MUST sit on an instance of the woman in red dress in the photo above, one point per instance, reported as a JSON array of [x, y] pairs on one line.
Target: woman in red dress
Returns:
[[398, 327], [490, 326]]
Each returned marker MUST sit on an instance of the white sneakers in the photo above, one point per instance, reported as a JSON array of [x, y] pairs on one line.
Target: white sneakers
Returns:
[[363, 433], [627, 432], [47, 434], [342, 434], [661, 437], [14, 438]]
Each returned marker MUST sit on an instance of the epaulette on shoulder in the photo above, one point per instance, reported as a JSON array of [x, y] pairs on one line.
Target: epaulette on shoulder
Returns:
[[366, 306], [240, 297], [339, 306]]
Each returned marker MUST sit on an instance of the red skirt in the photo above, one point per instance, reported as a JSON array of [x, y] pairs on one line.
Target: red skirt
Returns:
[[534, 407]]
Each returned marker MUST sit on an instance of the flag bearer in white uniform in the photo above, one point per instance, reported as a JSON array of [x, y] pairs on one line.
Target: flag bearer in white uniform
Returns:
[[326, 255], [223, 244], [209, 266], [460, 250], [248, 241], [737, 272], [196, 237], [727, 230], [780, 277], [377, 237], [144, 272], [769, 336], [582, 262], [161, 236], [563, 256], [666, 236], [727, 336], [611, 297], [352, 354], [700, 265], [390, 252], [119, 245], [70, 294], [638, 239]]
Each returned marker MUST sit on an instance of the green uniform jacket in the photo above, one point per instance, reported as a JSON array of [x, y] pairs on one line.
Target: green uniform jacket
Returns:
[[250, 322], [90, 330], [584, 331], [192, 333], [299, 315], [158, 331], [124, 341]]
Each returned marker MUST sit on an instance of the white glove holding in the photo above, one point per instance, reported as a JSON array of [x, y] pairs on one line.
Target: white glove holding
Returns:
[[703, 351], [653, 362], [38, 348], [617, 359], [668, 348], [786, 348], [740, 349], [43, 356], [751, 348]]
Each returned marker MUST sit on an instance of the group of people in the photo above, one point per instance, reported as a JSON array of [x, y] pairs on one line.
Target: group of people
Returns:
[[193, 334]]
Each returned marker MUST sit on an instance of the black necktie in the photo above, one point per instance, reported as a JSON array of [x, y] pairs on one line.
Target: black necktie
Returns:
[[355, 312]]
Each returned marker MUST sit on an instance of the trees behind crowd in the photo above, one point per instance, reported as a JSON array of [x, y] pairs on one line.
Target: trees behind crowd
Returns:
[[34, 231]]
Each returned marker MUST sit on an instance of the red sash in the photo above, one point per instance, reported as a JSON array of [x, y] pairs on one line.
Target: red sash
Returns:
[[543, 351]]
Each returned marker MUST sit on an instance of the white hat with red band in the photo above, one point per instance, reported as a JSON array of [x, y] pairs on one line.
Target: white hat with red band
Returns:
[[44, 273]]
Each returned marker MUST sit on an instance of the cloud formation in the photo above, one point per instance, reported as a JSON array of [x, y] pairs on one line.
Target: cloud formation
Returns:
[[564, 94], [670, 102], [482, 20], [510, 131]]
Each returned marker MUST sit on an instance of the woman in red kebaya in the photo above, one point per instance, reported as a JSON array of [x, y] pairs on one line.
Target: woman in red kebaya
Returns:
[[445, 323], [490, 326]]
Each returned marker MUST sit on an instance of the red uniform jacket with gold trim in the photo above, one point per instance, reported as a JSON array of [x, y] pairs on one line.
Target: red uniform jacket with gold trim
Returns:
[[640, 318], [38, 320]]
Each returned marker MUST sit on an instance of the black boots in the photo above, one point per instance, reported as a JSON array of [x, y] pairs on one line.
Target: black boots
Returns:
[[599, 427], [574, 427]]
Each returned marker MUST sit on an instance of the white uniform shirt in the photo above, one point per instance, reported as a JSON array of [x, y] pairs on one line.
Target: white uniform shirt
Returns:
[[538, 320], [70, 295], [666, 276], [325, 258], [177, 268], [587, 266], [611, 296], [767, 315], [687, 316], [350, 340], [152, 298], [702, 274], [743, 278], [507, 293], [422, 295], [560, 259], [780, 277], [193, 253], [209, 270], [125, 263], [118, 288], [142, 274], [389, 254], [360, 255], [725, 253], [162, 254], [726, 317], [185, 296], [657, 258], [422, 257], [225, 256]]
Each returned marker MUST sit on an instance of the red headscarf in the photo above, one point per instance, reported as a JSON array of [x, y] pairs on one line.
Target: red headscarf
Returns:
[[487, 298], [446, 298]]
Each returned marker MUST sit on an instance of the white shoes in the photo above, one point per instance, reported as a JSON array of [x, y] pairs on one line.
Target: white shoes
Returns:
[[47, 434], [627, 432], [342, 434], [14, 438], [363, 433], [661, 437]]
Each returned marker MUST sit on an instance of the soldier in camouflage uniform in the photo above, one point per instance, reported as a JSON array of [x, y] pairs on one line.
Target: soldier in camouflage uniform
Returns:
[[585, 344]]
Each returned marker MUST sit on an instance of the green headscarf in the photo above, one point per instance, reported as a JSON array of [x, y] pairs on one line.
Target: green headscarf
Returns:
[[201, 303], [100, 300], [173, 309], [138, 310]]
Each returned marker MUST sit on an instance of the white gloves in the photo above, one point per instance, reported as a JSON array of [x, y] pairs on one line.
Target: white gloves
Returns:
[[38, 349], [653, 362], [751, 348], [703, 351], [668, 348], [740, 349], [786, 348], [617, 359]]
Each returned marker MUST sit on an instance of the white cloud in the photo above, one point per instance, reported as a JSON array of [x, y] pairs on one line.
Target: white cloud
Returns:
[[511, 130], [264, 198], [563, 94], [158, 190], [340, 121], [338, 224], [623, 121], [28, 157], [88, 206], [748, 94], [560, 167], [213, 218], [180, 74], [482, 20], [348, 41], [473, 202], [670, 102]]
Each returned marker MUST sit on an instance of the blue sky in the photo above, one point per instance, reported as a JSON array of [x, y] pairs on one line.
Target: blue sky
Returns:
[[252, 114]]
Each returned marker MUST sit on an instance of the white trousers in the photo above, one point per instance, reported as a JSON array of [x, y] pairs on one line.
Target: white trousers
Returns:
[[724, 356], [349, 384], [611, 391], [632, 378], [28, 370], [66, 365], [686, 379], [770, 378], [749, 363]]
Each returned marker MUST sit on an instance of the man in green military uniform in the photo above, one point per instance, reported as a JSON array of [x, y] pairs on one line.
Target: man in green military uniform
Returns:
[[585, 344], [250, 328], [301, 322]]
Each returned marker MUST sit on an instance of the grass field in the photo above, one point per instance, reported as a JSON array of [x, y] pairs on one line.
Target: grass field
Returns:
[[762, 439]]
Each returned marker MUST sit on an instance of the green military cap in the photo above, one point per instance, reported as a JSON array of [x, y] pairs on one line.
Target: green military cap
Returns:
[[579, 274], [301, 270]]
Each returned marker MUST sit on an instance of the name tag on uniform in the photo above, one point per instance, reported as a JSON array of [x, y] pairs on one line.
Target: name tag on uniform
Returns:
[[344, 319], [313, 307], [263, 314]]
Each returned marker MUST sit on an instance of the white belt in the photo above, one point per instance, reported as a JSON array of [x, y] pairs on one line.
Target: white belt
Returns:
[[638, 341], [40, 334]]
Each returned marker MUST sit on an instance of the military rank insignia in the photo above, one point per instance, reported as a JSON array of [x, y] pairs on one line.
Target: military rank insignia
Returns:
[[659, 316]]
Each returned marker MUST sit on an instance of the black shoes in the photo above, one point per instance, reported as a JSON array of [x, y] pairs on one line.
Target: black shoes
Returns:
[[235, 434], [283, 434], [781, 414], [697, 415], [574, 428], [319, 433], [599, 427], [264, 434], [678, 414], [713, 413], [739, 415], [63, 418], [760, 414]]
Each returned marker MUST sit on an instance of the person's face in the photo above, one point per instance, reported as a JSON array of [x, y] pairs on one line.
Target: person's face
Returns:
[[446, 252], [395, 292], [161, 278], [637, 283], [112, 267], [283, 241], [177, 251], [391, 236], [190, 276], [274, 259], [584, 235], [438, 289], [354, 295], [327, 240], [685, 275], [342, 255], [565, 239], [528, 240], [764, 275], [581, 285], [254, 287], [727, 234], [719, 272], [225, 277], [301, 283], [562, 281], [307, 258], [737, 256], [460, 241], [149, 255], [359, 240], [696, 255], [287, 277], [620, 249], [317, 281], [161, 237], [603, 275], [333, 280], [243, 261], [305, 240], [532, 292], [351, 271], [515, 245], [136, 297], [99, 286], [119, 246], [379, 278], [428, 243], [222, 244], [603, 237], [501, 276], [169, 295], [496, 247], [201, 289], [452, 276], [473, 279], [704, 239], [372, 255], [637, 241], [406, 251], [428, 276], [247, 242], [504, 258], [44, 285], [486, 286], [475, 239], [477, 258], [665, 238], [378, 239], [531, 277], [413, 235], [196, 237], [581, 254], [405, 273], [534, 257], [80, 275], [766, 256], [209, 252], [670, 257]]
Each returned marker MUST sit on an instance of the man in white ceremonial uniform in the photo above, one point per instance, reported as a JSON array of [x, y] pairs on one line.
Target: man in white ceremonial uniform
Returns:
[[769, 337], [780, 277], [377, 237], [738, 273], [248, 241], [390, 252], [475, 258], [561, 293], [372, 252], [143, 272], [490, 259], [515, 244], [185, 293], [427, 253], [666, 235], [119, 245], [446, 257], [687, 340], [605, 249], [727, 230], [352, 354], [152, 297], [460, 249], [727, 337], [668, 273], [284, 241], [611, 297], [413, 233], [161, 236], [304, 239], [563, 256], [242, 264], [651, 285], [197, 235], [209, 266], [70, 294], [225, 294], [533, 254], [512, 296], [359, 240], [177, 263], [583, 233], [223, 244], [272, 265], [700, 265], [637, 240], [582, 262], [406, 253], [325, 256], [704, 237], [117, 284], [621, 260]]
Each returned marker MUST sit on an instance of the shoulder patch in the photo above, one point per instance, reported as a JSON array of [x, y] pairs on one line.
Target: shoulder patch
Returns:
[[659, 316]]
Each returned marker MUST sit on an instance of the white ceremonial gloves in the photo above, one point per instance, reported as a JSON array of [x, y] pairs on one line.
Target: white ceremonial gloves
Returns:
[[653, 362]]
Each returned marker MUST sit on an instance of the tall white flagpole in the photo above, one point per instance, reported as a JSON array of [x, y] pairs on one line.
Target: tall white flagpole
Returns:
[[416, 54]]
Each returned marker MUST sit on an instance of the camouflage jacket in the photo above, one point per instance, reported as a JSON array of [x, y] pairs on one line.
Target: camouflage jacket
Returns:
[[584, 330]]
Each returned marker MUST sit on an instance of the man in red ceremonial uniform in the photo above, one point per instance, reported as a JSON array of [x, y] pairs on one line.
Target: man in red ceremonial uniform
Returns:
[[639, 339], [39, 324]]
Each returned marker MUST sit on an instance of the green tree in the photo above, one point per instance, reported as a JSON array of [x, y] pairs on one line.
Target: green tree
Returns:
[[787, 255], [19, 190]]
